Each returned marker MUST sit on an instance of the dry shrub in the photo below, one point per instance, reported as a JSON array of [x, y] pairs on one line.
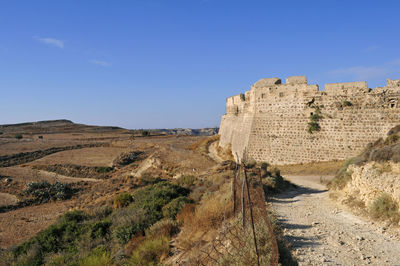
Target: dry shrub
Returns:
[[133, 244], [186, 215], [212, 210], [385, 208], [166, 227], [151, 251]]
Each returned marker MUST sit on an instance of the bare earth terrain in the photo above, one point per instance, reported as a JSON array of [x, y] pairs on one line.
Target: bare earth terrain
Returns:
[[323, 233], [27, 160]]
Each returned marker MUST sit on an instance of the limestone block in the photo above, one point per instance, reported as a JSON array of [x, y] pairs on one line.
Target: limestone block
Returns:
[[393, 82], [346, 88], [267, 82], [296, 80]]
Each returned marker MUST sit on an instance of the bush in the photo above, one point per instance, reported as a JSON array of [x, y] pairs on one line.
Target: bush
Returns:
[[145, 133], [43, 191], [97, 257], [384, 207], [40, 137], [151, 251], [153, 197], [165, 227], [128, 222], [126, 158], [104, 169], [18, 136], [59, 237], [313, 126], [185, 181], [174, 206], [122, 200], [347, 103], [100, 229]]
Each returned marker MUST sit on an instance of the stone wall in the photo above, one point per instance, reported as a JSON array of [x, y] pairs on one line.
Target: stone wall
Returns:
[[271, 120]]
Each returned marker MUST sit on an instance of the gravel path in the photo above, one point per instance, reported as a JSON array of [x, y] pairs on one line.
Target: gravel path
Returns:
[[322, 233]]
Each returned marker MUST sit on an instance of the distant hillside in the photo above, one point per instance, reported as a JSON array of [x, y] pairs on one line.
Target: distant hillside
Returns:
[[67, 126], [54, 126]]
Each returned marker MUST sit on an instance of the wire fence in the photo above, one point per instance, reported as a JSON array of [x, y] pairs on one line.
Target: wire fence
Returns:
[[249, 238]]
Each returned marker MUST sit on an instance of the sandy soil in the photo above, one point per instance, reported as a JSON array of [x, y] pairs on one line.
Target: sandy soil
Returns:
[[323, 233], [21, 224], [99, 156]]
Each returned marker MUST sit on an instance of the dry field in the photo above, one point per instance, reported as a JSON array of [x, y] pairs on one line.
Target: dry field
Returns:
[[164, 156]]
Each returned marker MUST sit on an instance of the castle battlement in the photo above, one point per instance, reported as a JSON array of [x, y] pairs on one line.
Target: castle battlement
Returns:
[[272, 119]]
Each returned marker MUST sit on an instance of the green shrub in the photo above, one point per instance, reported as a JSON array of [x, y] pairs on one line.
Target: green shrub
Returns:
[[264, 165], [104, 169], [43, 191], [151, 251], [313, 126], [165, 227], [347, 103], [384, 207], [61, 236], [242, 97], [128, 222], [100, 229], [145, 133], [98, 257], [148, 179], [186, 180], [174, 206], [153, 197], [122, 200], [18, 136], [1, 133], [315, 117]]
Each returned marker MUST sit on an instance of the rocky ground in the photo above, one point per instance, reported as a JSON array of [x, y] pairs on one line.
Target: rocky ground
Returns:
[[324, 233]]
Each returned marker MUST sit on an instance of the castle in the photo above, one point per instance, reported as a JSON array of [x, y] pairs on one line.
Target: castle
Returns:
[[294, 122]]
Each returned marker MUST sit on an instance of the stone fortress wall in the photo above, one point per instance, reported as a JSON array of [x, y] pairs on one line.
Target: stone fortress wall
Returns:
[[271, 120]]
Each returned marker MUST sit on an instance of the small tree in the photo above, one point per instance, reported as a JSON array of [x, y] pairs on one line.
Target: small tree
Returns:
[[18, 136]]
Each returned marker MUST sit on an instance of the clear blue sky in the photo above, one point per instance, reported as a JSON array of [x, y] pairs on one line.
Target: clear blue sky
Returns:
[[172, 63]]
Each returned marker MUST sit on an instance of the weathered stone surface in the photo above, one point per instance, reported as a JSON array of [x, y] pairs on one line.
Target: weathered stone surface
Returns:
[[346, 88], [393, 82], [267, 82], [296, 80], [271, 121]]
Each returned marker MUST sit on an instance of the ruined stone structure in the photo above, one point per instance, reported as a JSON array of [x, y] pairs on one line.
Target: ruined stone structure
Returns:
[[296, 123]]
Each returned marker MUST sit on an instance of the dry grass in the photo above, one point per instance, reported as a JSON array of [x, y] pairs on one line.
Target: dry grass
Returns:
[[206, 217], [99, 156], [202, 146], [313, 168]]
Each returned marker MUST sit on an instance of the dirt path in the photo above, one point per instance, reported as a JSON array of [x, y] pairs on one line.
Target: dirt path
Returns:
[[321, 233], [213, 153]]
